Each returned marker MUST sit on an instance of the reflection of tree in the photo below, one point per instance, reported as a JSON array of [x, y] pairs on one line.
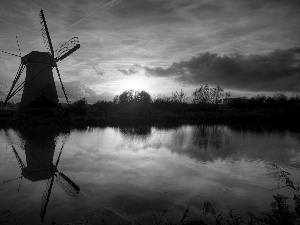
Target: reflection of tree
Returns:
[[141, 131], [39, 150], [209, 142], [201, 142], [209, 136]]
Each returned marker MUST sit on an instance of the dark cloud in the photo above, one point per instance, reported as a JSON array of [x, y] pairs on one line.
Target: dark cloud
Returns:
[[131, 71], [127, 72], [76, 90], [99, 72], [276, 71]]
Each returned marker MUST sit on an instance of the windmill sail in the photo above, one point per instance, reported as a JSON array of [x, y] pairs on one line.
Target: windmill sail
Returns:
[[72, 43], [46, 197], [45, 34], [64, 54], [62, 86], [67, 185], [22, 166], [15, 151], [10, 180], [9, 95], [65, 182], [11, 53]]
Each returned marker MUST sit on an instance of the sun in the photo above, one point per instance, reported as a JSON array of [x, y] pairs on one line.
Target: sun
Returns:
[[134, 82]]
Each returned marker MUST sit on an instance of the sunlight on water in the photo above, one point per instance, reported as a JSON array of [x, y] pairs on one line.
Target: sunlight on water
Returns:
[[125, 172]]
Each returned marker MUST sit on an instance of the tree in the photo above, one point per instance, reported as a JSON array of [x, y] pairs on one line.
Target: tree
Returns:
[[143, 97], [179, 97], [216, 94], [132, 96], [208, 95], [201, 95], [80, 107], [116, 99], [127, 96]]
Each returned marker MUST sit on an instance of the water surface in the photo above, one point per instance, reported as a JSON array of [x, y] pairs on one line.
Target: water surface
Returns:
[[121, 174]]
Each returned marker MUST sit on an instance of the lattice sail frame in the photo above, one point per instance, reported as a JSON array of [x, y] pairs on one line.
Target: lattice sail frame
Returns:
[[66, 47], [44, 33]]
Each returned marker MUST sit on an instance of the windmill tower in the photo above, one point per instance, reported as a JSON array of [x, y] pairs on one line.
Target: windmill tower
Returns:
[[39, 86]]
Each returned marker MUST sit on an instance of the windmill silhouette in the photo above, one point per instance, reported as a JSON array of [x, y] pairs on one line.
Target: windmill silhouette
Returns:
[[40, 167], [39, 86]]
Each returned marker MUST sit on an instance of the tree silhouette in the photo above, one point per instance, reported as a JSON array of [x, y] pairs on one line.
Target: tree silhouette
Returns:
[[208, 95], [132, 96]]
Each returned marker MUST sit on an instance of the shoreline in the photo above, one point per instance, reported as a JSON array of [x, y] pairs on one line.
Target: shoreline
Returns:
[[159, 119]]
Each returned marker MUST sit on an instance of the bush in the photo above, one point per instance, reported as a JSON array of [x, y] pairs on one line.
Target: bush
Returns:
[[80, 107]]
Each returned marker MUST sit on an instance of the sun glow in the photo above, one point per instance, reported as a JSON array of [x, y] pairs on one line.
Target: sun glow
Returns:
[[136, 83]]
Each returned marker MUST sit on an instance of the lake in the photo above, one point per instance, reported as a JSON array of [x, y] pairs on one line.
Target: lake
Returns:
[[126, 174]]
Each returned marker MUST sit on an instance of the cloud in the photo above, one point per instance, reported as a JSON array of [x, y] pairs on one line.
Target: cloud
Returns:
[[153, 33], [76, 90], [99, 72], [276, 71], [2, 94], [108, 4], [131, 71]]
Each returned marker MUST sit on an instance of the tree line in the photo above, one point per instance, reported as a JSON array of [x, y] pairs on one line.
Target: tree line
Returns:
[[204, 99]]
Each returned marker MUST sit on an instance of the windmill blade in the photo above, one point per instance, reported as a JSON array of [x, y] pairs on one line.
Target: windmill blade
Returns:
[[22, 85], [62, 84], [10, 180], [18, 46], [46, 197], [9, 95], [65, 182], [66, 46], [11, 53], [18, 157], [57, 161], [67, 185], [45, 33], [15, 151], [67, 52]]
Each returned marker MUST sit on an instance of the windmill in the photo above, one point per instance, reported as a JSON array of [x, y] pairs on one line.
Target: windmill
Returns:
[[39, 86], [40, 167]]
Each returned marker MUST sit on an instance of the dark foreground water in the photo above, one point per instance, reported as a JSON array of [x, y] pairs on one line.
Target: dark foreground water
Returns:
[[122, 174]]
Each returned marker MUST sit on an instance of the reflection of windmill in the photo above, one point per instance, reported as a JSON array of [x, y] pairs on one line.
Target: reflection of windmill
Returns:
[[40, 167], [39, 87]]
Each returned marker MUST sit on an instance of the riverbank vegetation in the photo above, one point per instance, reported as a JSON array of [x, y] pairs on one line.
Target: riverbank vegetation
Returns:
[[206, 104]]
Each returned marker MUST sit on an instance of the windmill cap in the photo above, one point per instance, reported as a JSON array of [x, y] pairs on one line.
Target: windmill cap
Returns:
[[36, 57]]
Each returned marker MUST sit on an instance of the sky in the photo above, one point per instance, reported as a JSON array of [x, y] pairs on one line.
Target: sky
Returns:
[[248, 47]]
